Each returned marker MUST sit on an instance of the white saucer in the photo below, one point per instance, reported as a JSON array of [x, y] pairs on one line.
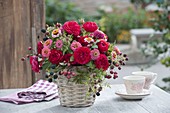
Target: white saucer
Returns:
[[123, 94]]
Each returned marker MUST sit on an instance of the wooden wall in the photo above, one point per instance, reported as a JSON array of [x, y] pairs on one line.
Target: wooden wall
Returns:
[[20, 23]]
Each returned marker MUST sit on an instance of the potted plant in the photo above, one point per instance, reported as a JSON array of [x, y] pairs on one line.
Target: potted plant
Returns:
[[77, 55]]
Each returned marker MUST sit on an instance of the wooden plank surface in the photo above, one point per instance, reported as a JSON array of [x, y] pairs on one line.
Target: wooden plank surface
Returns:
[[14, 40], [108, 102], [17, 18]]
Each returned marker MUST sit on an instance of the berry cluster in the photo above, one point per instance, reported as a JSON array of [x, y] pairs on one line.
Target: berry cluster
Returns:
[[117, 63]]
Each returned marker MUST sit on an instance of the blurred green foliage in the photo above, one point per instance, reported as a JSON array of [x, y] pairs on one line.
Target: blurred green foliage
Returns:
[[161, 47], [62, 11], [57, 11], [113, 23]]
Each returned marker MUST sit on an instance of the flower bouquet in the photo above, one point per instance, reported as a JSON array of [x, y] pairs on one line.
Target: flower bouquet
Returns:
[[77, 55]]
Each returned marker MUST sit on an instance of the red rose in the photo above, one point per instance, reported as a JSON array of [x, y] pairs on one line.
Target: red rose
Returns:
[[34, 63], [39, 47], [82, 55], [66, 57], [102, 62], [55, 56], [103, 46], [82, 41], [90, 26], [72, 27]]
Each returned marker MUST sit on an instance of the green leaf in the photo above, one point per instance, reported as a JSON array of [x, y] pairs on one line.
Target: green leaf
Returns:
[[46, 65], [94, 46], [71, 58], [90, 64]]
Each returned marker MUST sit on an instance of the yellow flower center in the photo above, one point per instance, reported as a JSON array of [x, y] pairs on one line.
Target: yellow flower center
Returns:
[[89, 39], [95, 54], [55, 32], [75, 46], [46, 51], [47, 43]]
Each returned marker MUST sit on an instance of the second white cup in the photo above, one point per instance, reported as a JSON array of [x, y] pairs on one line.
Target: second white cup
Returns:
[[150, 77], [134, 84]]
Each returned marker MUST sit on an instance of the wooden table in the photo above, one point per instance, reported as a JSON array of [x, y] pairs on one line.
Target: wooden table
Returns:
[[108, 102]]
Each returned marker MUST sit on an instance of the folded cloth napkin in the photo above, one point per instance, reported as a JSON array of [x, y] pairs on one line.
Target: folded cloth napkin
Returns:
[[41, 90]]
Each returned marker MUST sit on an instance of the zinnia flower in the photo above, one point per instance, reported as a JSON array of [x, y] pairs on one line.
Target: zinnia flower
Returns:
[[94, 54], [34, 63], [113, 55], [82, 55], [90, 26], [102, 62], [103, 46], [82, 40], [56, 33], [88, 39], [55, 56], [116, 49], [45, 52], [75, 45], [59, 44], [72, 27], [100, 35], [48, 43]]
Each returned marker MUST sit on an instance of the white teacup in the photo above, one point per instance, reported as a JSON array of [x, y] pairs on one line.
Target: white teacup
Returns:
[[134, 84], [150, 77]]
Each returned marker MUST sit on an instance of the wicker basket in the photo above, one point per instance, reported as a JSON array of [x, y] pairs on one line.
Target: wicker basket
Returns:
[[72, 94]]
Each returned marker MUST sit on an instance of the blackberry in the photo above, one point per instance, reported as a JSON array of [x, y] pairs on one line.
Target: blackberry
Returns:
[[98, 94], [45, 38], [124, 55], [100, 88], [50, 80], [43, 30], [53, 66]]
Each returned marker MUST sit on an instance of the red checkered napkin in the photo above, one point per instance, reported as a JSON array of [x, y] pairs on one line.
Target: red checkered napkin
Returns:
[[41, 90]]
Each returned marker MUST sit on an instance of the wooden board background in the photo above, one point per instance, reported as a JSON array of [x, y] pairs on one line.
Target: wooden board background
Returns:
[[20, 24]]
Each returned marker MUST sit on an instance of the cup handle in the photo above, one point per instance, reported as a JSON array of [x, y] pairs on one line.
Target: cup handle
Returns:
[[154, 77]]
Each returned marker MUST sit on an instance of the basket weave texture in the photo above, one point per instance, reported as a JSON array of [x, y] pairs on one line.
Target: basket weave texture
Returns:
[[72, 94]]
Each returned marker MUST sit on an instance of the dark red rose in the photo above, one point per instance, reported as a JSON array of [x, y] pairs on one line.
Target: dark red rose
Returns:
[[55, 56], [103, 46], [72, 27], [82, 55], [39, 47], [102, 62], [34, 63], [66, 57], [82, 41], [90, 26]]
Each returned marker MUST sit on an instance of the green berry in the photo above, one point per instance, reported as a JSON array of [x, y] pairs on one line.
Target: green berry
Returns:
[[55, 76], [51, 73]]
